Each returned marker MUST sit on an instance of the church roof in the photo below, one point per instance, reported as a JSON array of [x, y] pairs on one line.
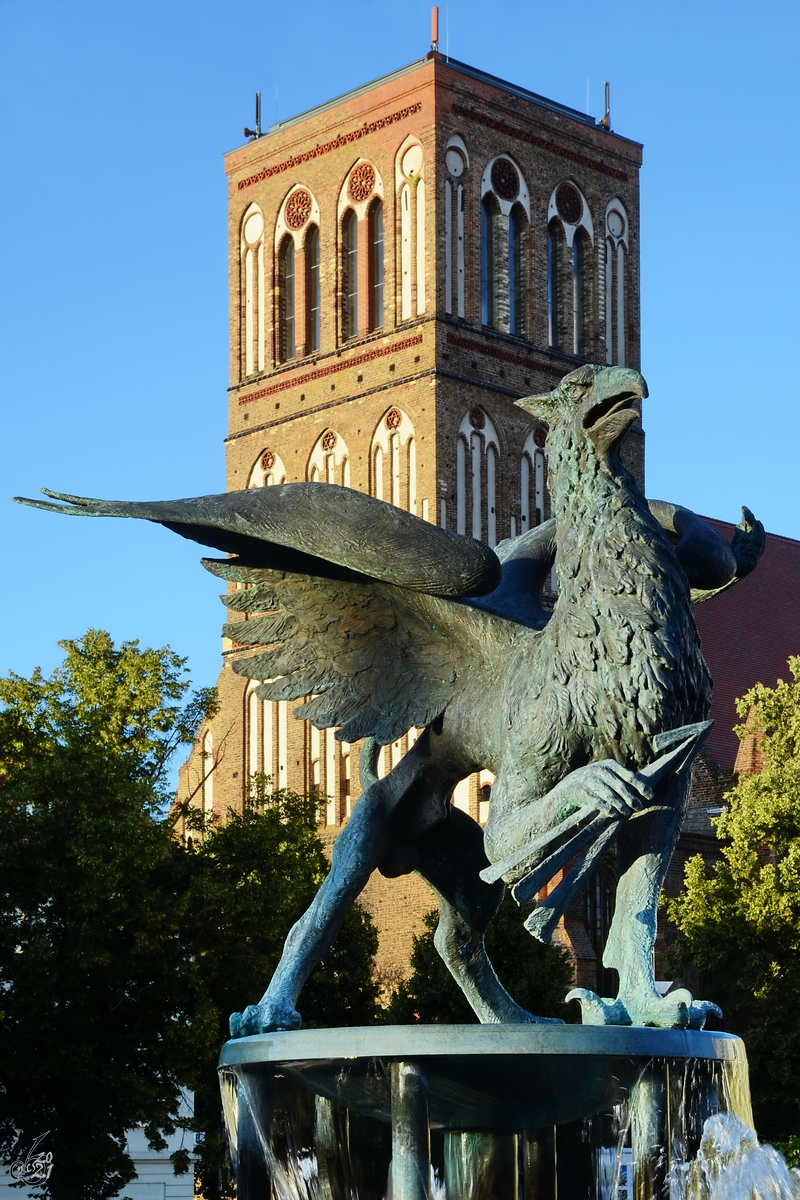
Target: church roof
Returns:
[[748, 633]]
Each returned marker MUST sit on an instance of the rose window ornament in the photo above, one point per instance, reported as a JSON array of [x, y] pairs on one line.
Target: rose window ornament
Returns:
[[569, 204], [393, 419], [540, 437], [362, 182], [267, 460], [477, 419], [298, 209], [329, 440], [505, 180]]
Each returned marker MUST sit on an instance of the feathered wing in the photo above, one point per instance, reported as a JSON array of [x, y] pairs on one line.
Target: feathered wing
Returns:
[[346, 599], [375, 659]]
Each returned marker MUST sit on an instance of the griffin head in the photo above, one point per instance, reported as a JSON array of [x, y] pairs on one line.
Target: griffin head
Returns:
[[598, 403]]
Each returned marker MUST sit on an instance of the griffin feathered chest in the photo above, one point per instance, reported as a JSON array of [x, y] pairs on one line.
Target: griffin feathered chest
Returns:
[[620, 659]]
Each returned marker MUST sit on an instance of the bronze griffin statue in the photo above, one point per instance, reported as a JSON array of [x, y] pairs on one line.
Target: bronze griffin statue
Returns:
[[588, 715]]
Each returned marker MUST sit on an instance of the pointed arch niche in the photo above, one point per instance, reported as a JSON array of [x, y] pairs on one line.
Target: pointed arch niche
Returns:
[[477, 456], [616, 281], [251, 246], [456, 160], [410, 187], [329, 461], [267, 470], [393, 461]]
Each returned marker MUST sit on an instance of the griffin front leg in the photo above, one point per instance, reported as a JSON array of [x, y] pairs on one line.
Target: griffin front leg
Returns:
[[645, 849]]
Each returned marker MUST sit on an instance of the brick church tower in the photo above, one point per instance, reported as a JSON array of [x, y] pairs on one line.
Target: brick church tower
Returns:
[[404, 262]]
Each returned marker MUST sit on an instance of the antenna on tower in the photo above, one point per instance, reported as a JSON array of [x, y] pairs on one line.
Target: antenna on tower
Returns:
[[255, 133], [606, 121], [435, 28]]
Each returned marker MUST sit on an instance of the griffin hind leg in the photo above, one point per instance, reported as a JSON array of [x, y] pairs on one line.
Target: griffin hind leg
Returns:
[[451, 856]]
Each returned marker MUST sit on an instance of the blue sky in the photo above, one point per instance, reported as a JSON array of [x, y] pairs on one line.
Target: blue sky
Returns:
[[113, 354]]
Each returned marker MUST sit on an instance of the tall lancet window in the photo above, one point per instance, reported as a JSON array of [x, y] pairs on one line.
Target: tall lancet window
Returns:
[[456, 163], [616, 264], [313, 289], [376, 264], [477, 456], [208, 773], [410, 191], [286, 299], [532, 480], [570, 273], [252, 251], [350, 273]]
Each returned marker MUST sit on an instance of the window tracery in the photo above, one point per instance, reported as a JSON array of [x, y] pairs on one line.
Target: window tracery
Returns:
[[267, 470], [532, 481]]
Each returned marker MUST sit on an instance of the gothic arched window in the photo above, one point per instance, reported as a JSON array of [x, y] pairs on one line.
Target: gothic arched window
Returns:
[[505, 219], [570, 291], [350, 273], [376, 265], [286, 300], [313, 289], [616, 282]]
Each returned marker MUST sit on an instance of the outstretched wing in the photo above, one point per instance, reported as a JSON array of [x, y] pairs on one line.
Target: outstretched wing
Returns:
[[303, 526], [352, 602]]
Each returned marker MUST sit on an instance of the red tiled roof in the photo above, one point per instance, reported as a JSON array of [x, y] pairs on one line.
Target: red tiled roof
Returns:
[[748, 633]]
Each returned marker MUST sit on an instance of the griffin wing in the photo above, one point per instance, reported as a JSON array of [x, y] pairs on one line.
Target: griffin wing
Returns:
[[366, 609]]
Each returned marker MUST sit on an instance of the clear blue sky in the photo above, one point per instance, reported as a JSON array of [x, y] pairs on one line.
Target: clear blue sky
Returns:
[[115, 116]]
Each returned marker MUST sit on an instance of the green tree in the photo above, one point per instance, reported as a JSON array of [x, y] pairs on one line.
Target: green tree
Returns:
[[122, 949], [739, 919], [537, 976], [97, 987]]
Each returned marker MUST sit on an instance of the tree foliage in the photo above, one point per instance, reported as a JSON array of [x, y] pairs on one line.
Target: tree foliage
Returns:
[[537, 976], [739, 920], [122, 949]]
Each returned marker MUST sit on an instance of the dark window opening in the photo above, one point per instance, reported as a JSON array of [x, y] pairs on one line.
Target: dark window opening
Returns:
[[286, 299], [376, 264], [314, 301]]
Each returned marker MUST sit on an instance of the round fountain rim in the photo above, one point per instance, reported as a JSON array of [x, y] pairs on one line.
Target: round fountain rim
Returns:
[[425, 1041]]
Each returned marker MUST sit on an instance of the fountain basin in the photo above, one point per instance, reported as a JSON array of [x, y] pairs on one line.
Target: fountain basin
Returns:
[[473, 1111]]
